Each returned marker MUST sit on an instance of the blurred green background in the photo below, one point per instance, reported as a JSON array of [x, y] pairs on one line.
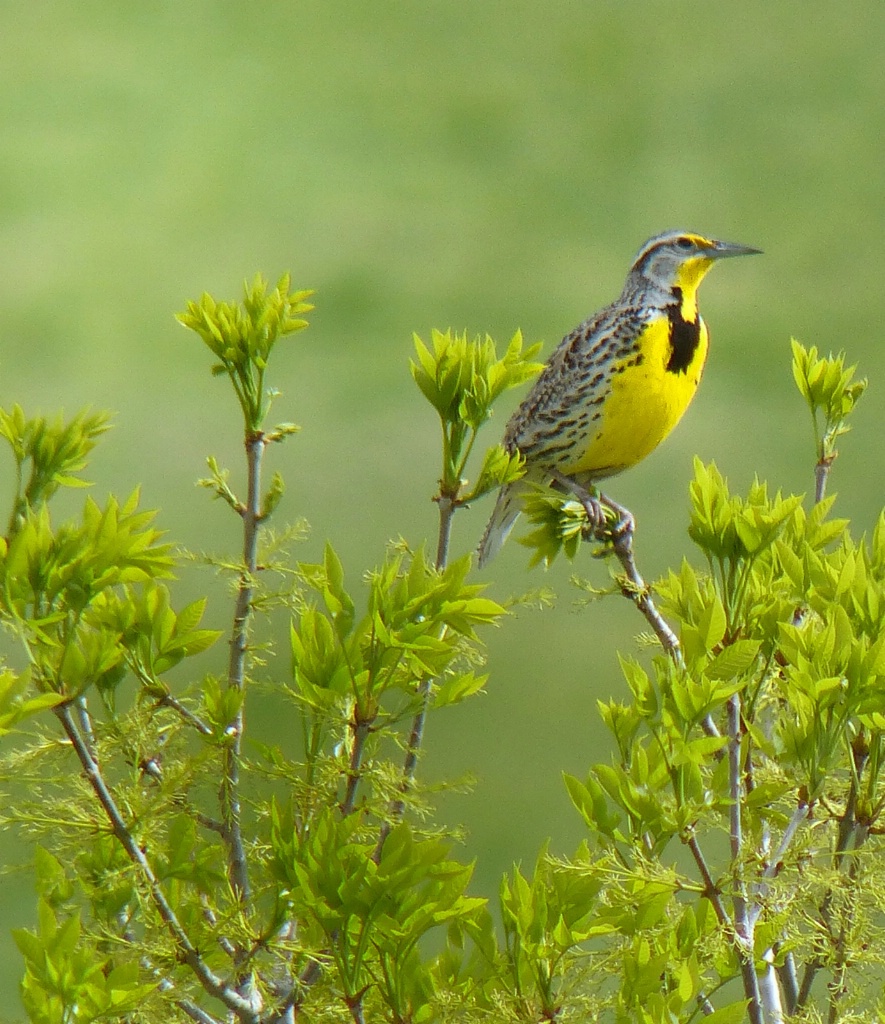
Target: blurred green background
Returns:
[[461, 163]]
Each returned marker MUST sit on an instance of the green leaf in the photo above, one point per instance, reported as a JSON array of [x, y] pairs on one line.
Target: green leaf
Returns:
[[457, 688], [272, 496], [734, 660], [712, 623], [591, 803], [500, 467], [734, 1013]]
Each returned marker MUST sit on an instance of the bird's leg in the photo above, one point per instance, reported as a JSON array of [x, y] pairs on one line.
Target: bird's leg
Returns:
[[620, 535], [596, 518], [625, 524], [599, 524]]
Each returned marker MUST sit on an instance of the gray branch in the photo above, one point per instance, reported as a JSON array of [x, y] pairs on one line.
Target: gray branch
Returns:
[[212, 984]]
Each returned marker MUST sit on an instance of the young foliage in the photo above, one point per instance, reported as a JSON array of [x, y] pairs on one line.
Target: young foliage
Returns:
[[547, 922], [560, 523], [242, 337], [15, 706], [760, 729], [358, 676], [166, 893], [372, 910], [48, 454], [68, 980], [188, 871], [831, 393], [462, 378]]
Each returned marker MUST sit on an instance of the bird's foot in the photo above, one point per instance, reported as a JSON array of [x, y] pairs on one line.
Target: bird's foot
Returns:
[[598, 525], [624, 525], [607, 521]]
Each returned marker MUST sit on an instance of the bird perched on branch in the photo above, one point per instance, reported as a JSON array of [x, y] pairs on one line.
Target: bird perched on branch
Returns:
[[617, 385]]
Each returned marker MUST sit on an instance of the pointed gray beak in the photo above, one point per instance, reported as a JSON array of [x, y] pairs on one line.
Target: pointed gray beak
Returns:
[[719, 250]]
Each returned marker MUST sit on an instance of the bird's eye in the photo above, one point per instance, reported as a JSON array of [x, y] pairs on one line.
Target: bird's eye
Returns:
[[684, 242]]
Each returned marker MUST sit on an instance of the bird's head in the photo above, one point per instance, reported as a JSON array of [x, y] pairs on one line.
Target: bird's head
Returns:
[[680, 259]]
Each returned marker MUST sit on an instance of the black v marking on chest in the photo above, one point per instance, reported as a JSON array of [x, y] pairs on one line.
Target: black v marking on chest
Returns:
[[685, 336]]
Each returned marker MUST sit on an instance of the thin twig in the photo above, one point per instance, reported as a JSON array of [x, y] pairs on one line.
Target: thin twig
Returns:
[[734, 776], [308, 977], [736, 837], [847, 821], [212, 824], [355, 1005], [794, 995], [223, 941], [636, 590], [838, 987], [163, 983], [195, 1013], [360, 732], [799, 816], [250, 513], [397, 808], [711, 890], [447, 507], [808, 976], [86, 731], [620, 535], [168, 701], [212, 984], [286, 1015], [185, 1005], [743, 948], [410, 766], [778, 980], [821, 475], [743, 929], [848, 830], [706, 1007], [772, 868]]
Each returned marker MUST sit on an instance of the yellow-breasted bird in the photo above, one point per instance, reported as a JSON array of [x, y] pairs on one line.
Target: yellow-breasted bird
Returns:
[[618, 384]]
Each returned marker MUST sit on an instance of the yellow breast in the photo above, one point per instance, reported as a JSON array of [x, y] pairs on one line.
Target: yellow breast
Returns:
[[645, 402]]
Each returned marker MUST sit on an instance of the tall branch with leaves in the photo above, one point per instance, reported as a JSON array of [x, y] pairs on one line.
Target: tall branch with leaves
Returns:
[[462, 378], [242, 337], [69, 595], [831, 393], [781, 647]]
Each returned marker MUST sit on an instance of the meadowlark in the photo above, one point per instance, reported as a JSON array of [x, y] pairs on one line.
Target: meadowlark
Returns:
[[617, 385]]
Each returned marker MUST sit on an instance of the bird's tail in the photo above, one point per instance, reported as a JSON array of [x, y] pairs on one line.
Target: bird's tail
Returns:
[[504, 516]]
